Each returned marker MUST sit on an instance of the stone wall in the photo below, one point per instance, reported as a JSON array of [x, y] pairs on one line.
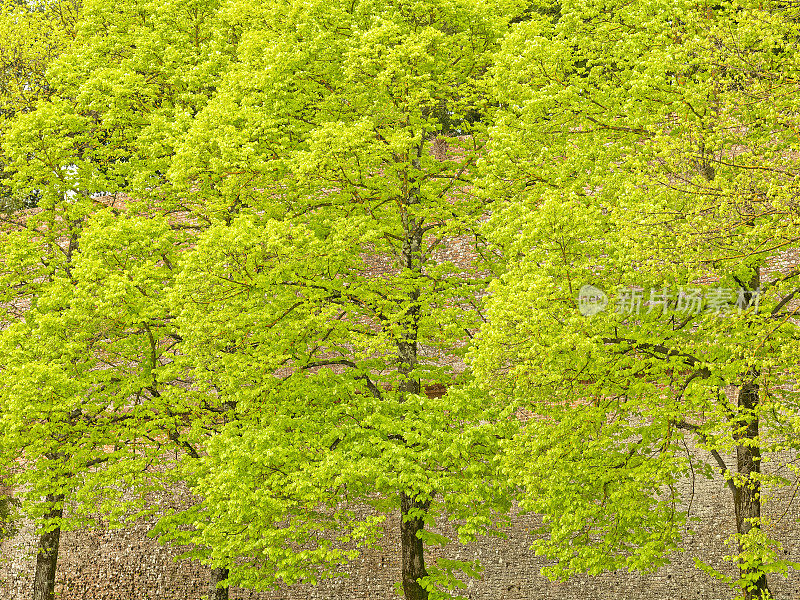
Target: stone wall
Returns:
[[126, 565]]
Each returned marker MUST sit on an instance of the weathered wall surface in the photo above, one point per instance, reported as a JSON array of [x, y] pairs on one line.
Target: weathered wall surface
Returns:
[[126, 565]]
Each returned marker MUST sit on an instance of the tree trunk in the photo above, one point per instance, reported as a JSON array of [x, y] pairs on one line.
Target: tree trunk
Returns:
[[413, 549], [747, 495], [44, 580], [413, 560], [218, 593], [747, 488]]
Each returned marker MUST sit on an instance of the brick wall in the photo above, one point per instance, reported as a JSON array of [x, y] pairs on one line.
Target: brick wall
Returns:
[[126, 565]]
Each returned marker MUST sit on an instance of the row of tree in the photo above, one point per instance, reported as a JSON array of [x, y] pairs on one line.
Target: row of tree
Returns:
[[194, 296]]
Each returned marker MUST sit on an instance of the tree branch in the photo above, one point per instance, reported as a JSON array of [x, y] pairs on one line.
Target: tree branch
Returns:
[[659, 348], [374, 389], [721, 463]]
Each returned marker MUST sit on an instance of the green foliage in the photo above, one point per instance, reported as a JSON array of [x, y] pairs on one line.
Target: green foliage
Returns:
[[757, 552], [84, 274], [309, 302], [442, 580], [239, 256], [77, 368], [31, 38], [643, 144], [276, 299]]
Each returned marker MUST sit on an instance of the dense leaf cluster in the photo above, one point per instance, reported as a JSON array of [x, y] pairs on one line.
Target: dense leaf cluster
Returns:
[[226, 260]]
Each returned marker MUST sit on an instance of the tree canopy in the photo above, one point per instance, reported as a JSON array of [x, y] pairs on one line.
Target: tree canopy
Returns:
[[268, 289], [648, 155], [344, 259]]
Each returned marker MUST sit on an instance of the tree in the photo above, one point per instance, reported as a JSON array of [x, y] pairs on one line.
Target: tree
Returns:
[[31, 38], [296, 142], [84, 324], [80, 408], [317, 308], [643, 149]]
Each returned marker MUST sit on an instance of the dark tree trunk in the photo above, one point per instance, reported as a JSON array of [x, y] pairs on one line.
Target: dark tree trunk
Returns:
[[413, 549], [747, 494], [44, 580], [413, 560], [218, 593], [411, 522], [747, 486]]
